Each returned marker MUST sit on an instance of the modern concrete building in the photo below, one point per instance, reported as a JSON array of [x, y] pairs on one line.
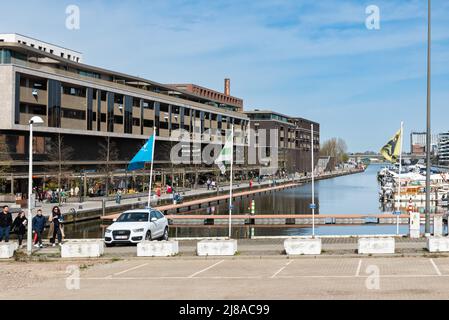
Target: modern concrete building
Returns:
[[443, 149], [294, 134], [96, 117]]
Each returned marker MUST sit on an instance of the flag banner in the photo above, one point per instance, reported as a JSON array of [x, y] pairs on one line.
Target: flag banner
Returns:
[[144, 155], [392, 149], [226, 154]]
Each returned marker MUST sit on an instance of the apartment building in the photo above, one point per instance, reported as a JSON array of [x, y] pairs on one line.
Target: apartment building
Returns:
[[294, 138]]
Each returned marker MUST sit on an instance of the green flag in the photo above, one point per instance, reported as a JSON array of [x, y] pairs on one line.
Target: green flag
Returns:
[[226, 154]]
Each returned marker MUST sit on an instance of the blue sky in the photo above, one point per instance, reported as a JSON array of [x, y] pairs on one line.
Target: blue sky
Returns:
[[313, 59]]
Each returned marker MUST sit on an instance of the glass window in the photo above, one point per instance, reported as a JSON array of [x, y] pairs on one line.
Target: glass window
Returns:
[[118, 119], [148, 123], [73, 114], [133, 217], [164, 107], [148, 104], [159, 215], [33, 109]]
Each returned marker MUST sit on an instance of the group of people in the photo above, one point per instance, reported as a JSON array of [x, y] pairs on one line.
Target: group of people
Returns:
[[20, 224], [211, 184]]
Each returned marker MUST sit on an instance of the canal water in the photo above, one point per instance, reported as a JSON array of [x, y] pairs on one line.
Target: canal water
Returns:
[[353, 194]]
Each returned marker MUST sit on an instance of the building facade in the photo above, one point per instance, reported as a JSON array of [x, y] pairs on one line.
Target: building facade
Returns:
[[443, 149], [294, 139], [95, 115]]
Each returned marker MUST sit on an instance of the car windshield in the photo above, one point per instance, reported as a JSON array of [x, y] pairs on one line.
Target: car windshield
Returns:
[[133, 217]]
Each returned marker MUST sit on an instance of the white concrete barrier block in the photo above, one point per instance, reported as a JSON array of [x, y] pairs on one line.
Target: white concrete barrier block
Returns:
[[376, 245], [438, 244], [216, 247], [7, 249], [303, 246], [157, 248], [438, 225], [82, 249]]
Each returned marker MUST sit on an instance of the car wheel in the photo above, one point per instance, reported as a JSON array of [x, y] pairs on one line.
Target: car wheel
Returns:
[[148, 236], [165, 236]]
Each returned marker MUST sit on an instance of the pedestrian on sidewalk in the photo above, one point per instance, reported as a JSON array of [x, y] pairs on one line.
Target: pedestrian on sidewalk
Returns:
[[19, 226], [56, 230], [39, 223], [251, 184], [5, 224], [208, 184]]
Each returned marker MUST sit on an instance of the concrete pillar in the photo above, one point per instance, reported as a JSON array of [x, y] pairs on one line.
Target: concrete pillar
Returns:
[[85, 187], [12, 185]]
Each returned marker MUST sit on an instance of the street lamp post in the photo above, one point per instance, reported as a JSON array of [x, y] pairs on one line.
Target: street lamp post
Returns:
[[33, 121], [428, 142]]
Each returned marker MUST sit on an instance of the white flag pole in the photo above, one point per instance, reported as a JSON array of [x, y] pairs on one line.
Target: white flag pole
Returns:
[[231, 183], [313, 186], [399, 180], [151, 170]]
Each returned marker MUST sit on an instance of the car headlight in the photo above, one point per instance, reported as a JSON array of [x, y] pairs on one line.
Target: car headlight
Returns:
[[138, 230], [108, 231]]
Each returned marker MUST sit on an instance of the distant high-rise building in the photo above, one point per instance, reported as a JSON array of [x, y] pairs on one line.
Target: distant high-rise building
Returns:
[[443, 148]]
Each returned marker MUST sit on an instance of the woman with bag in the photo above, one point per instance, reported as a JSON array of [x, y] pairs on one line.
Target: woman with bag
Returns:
[[56, 228]]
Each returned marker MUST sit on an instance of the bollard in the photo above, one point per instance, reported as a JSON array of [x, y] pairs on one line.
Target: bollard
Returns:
[[103, 206]]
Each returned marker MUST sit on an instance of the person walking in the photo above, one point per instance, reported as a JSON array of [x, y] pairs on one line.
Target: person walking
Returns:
[[19, 226], [39, 223], [208, 184], [56, 230], [5, 224]]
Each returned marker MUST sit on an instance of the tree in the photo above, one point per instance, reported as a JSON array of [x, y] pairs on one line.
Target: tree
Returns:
[[108, 152], [61, 153], [336, 148]]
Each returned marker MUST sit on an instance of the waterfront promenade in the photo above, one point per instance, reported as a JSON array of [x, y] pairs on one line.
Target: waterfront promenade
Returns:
[[93, 208]]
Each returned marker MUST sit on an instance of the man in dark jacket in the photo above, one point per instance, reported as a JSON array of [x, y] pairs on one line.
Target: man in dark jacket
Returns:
[[5, 224], [39, 222]]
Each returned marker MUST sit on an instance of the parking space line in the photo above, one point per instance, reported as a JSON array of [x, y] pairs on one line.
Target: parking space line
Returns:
[[280, 270], [359, 267], [131, 269], [204, 270], [435, 267], [262, 277]]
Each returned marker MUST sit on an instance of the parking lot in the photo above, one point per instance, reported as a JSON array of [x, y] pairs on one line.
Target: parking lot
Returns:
[[249, 278]]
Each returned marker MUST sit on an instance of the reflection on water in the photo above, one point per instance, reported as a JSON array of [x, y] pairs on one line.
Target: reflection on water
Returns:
[[353, 194]]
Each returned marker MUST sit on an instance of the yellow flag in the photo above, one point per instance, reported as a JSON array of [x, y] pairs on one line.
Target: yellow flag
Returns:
[[392, 149]]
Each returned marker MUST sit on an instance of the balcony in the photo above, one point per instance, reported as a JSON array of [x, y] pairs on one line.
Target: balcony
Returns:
[[26, 95]]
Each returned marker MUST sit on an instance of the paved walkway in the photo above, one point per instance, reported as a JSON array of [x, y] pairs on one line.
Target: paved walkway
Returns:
[[96, 204]]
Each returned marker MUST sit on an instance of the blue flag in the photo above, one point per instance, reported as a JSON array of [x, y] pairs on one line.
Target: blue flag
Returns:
[[144, 155]]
